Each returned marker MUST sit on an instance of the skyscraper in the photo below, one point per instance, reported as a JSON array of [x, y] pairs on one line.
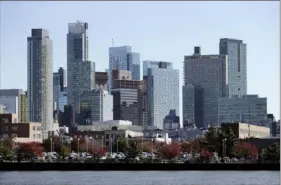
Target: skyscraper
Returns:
[[59, 84], [80, 71], [40, 79], [205, 81], [134, 64], [162, 92], [236, 51], [122, 58], [62, 77]]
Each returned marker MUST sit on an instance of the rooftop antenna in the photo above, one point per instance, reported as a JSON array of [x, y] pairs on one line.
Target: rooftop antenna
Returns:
[[112, 42]]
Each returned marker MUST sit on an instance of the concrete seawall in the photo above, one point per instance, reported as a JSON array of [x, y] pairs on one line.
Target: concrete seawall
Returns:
[[134, 167]]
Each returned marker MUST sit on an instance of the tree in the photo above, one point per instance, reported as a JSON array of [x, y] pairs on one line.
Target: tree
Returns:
[[121, 145], [133, 150], [210, 141], [170, 151], [5, 152], [56, 144], [272, 153], [64, 151], [205, 155], [31, 149], [186, 147], [227, 139], [245, 150]]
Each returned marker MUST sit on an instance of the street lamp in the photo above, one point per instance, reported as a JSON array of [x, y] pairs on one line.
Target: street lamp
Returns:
[[1, 142], [102, 142], [117, 140], [70, 140], [110, 145], [13, 152], [78, 146], [91, 143], [51, 144], [94, 143], [87, 147], [223, 147]]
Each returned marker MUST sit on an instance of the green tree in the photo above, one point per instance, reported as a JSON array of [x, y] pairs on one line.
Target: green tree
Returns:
[[272, 153], [210, 141], [121, 145], [5, 152], [227, 139], [64, 151], [133, 150]]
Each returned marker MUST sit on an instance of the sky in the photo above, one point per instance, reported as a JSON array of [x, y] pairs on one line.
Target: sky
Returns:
[[157, 30]]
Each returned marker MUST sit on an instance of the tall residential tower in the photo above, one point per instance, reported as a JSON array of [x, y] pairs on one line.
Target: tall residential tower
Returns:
[[40, 79], [162, 91]]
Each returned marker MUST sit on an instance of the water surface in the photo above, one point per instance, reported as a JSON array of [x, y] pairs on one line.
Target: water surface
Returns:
[[141, 178]]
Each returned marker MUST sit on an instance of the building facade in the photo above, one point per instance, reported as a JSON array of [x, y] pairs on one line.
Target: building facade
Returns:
[[23, 106], [122, 58], [162, 92], [208, 74], [193, 105], [10, 128], [96, 105], [80, 71], [236, 51], [101, 79], [62, 100], [40, 79], [248, 108], [245, 130], [15, 102]]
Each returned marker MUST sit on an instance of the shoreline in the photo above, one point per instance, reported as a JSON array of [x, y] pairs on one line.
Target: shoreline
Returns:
[[135, 167]]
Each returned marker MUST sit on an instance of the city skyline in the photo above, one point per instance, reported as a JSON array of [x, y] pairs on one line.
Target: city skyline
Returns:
[[254, 47]]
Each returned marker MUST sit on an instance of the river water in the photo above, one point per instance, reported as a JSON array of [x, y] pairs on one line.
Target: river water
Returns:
[[141, 178]]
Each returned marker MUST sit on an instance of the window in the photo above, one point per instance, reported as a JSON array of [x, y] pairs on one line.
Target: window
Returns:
[[107, 143], [107, 136], [14, 128], [238, 89], [38, 136], [5, 120], [6, 128], [33, 128], [34, 136]]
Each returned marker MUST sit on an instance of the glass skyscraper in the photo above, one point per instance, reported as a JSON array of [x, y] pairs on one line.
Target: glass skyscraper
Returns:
[[162, 92], [80, 71]]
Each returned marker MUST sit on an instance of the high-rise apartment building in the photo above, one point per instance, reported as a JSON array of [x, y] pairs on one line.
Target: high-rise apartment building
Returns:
[[40, 79], [236, 51], [205, 81], [162, 92], [247, 109], [80, 71], [23, 106], [122, 58]]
